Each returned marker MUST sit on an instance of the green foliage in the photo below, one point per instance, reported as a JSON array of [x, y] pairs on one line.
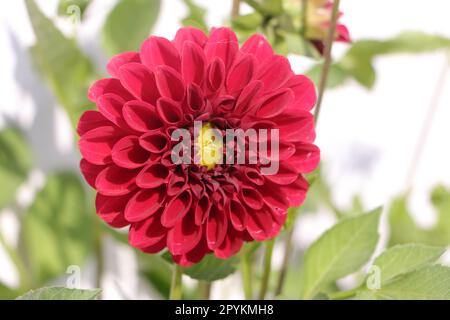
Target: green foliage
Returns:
[[57, 229], [402, 259], [66, 7], [15, 163], [196, 16], [129, 24], [405, 230], [61, 294], [60, 62], [340, 251], [212, 268], [358, 61]]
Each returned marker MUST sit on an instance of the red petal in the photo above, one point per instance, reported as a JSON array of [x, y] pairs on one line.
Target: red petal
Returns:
[[169, 111], [157, 247], [176, 209], [96, 145], [119, 60], [251, 198], [104, 86], [193, 63], [231, 245], [111, 105], [152, 176], [157, 51], [222, 44], [169, 83], [144, 204], [194, 256], [275, 103], [216, 75], [201, 210], [91, 120], [184, 236], [115, 181], [304, 92], [247, 98], [238, 214], [155, 142], [260, 224], [90, 171], [216, 228], [296, 127], [110, 209], [139, 81], [241, 73], [141, 116], [258, 46], [189, 34], [274, 72], [286, 175], [127, 153], [306, 158], [147, 233], [296, 191]]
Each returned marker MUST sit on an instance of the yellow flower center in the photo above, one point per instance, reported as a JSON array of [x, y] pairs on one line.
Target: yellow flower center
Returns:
[[209, 146]]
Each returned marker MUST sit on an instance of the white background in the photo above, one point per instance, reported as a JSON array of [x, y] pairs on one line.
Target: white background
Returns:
[[367, 138]]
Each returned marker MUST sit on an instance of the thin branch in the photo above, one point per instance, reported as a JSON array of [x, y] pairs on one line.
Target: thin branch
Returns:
[[235, 9], [327, 57], [285, 263]]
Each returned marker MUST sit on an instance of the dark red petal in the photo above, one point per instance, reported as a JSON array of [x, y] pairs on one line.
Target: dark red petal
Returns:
[[110, 209], [177, 182], [176, 209], [296, 127], [201, 209], [115, 181], [157, 51], [141, 116], [152, 176], [155, 248], [231, 245], [238, 214], [274, 72], [253, 175], [90, 171], [216, 75], [195, 101], [193, 63], [260, 224], [169, 83], [184, 236], [296, 191], [189, 34], [119, 60], [306, 158], [140, 81], [156, 142], [169, 111], [96, 145], [127, 153], [105, 86], [194, 256], [91, 120], [286, 175], [147, 233], [251, 198], [144, 204], [258, 46], [216, 228], [241, 73], [304, 92], [275, 103], [222, 44]]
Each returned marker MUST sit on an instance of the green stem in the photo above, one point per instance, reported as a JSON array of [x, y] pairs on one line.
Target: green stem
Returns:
[[235, 9], [327, 57], [285, 263], [204, 290], [342, 295], [267, 269], [246, 270], [176, 289]]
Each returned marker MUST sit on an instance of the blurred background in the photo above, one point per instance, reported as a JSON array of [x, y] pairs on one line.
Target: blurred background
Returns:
[[383, 132]]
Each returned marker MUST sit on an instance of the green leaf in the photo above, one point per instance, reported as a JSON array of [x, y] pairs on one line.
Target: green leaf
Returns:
[[7, 293], [196, 16], [15, 163], [249, 21], [340, 251], [267, 7], [402, 259], [428, 283], [57, 228], [67, 71], [129, 24], [61, 294]]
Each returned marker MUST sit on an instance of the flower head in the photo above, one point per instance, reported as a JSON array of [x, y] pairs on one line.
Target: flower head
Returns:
[[209, 205]]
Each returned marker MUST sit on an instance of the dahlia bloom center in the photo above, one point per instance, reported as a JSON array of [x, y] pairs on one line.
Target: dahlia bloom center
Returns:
[[210, 147]]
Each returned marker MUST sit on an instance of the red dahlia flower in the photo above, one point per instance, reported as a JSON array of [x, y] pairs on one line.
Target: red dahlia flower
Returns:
[[196, 209]]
